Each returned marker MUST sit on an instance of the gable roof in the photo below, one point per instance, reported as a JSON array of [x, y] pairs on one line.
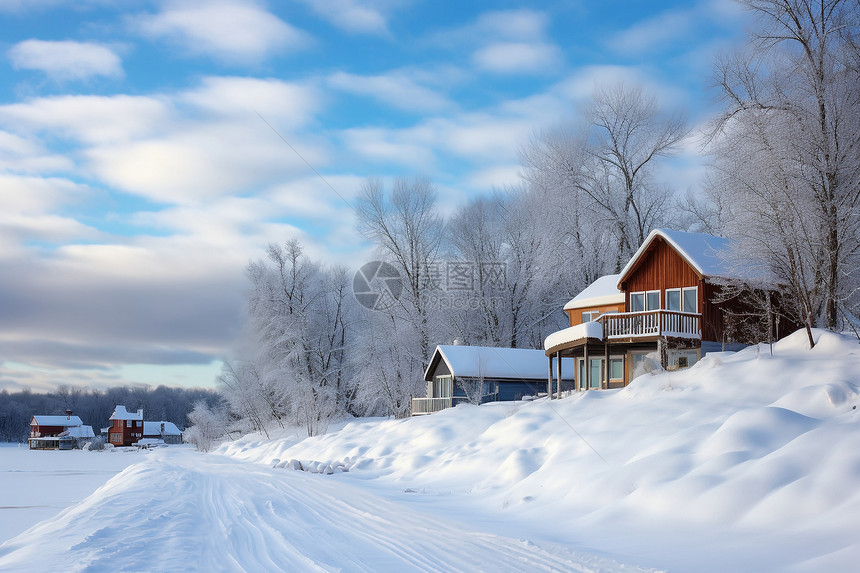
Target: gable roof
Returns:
[[66, 421], [602, 291], [489, 362], [701, 251], [120, 413]]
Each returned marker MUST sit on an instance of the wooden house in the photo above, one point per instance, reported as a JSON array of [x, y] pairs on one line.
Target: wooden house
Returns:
[[661, 309], [126, 427], [479, 374], [64, 432]]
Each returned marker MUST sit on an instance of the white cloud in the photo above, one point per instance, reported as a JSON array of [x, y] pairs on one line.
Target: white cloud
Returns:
[[65, 60], [661, 31], [496, 177], [518, 57], [512, 24], [396, 89], [390, 145], [352, 16], [234, 31], [285, 104], [507, 42], [90, 119]]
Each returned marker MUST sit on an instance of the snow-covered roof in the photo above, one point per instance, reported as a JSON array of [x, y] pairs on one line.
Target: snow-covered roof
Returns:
[[573, 333], [79, 432], [120, 413], [67, 421], [476, 361], [154, 429], [701, 251], [602, 291]]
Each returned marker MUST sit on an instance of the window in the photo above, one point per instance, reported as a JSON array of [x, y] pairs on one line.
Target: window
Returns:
[[597, 371], [128, 423], [442, 387], [652, 300], [691, 303], [683, 299], [590, 316], [616, 368], [649, 300], [673, 299]]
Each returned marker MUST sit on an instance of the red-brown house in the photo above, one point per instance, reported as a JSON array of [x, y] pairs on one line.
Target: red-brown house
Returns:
[[126, 427], [661, 307], [58, 432]]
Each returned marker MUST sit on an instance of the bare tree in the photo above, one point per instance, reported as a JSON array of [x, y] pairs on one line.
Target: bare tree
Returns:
[[407, 230], [604, 171], [792, 105]]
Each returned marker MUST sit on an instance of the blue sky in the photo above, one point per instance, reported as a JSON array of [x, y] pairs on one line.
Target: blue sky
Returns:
[[140, 168]]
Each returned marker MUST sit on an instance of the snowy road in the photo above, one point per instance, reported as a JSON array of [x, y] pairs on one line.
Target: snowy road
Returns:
[[181, 511]]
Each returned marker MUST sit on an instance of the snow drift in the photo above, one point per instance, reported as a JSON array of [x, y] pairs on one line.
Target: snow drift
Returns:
[[746, 461]]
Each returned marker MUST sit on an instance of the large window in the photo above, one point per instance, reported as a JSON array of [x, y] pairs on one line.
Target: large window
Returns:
[[443, 387], [649, 300], [682, 299]]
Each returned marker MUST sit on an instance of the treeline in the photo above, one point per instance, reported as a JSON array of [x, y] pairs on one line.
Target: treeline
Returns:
[[95, 407]]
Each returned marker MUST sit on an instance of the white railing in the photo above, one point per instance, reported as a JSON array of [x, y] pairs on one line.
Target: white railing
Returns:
[[421, 406], [651, 323]]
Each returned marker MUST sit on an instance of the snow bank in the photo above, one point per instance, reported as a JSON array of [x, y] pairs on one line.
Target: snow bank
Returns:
[[745, 462], [741, 444]]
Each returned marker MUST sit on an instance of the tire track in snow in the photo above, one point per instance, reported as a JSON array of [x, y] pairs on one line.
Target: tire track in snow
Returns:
[[181, 511]]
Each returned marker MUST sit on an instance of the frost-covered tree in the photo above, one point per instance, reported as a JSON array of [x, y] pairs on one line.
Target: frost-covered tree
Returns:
[[788, 151], [208, 424], [295, 365], [604, 170], [407, 230]]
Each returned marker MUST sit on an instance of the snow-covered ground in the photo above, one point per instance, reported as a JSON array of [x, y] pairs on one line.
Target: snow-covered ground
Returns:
[[745, 462]]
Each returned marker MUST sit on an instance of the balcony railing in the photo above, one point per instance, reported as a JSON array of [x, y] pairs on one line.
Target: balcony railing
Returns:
[[651, 323], [421, 406]]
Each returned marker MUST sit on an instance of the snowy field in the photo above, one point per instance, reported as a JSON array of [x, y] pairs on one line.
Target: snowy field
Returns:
[[745, 462]]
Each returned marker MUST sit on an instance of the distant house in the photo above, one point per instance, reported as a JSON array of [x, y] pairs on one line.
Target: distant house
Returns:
[[58, 432], [663, 306], [126, 427], [165, 432], [479, 374]]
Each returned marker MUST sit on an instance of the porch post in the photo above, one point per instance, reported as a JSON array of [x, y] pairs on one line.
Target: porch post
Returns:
[[587, 368], [549, 379], [558, 372], [606, 365]]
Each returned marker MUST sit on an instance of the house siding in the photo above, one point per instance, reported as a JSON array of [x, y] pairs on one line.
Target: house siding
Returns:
[[576, 313], [659, 268]]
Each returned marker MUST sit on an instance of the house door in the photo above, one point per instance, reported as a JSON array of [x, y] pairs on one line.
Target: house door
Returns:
[[443, 387], [596, 370]]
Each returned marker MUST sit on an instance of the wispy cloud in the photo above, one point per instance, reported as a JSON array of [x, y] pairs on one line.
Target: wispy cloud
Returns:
[[395, 89], [66, 60], [232, 31], [507, 42], [518, 57], [354, 16]]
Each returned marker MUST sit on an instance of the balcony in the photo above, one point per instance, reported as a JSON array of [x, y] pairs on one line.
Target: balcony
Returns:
[[651, 323]]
